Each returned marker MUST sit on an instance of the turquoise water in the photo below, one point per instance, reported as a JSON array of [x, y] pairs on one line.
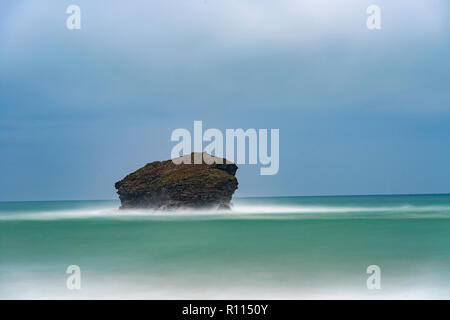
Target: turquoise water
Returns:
[[265, 248]]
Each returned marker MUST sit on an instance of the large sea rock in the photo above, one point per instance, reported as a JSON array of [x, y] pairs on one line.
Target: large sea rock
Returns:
[[166, 185]]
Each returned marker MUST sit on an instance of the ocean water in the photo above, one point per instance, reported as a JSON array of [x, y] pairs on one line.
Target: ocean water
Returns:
[[265, 248]]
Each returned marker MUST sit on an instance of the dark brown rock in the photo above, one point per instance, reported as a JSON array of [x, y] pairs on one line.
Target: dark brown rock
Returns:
[[166, 185]]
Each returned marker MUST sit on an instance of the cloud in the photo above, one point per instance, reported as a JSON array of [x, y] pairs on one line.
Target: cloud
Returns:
[[185, 55]]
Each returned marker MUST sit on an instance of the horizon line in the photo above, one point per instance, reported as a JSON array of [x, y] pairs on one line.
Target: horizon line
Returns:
[[246, 197]]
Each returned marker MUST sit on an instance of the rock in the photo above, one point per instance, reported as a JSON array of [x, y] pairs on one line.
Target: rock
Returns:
[[165, 185]]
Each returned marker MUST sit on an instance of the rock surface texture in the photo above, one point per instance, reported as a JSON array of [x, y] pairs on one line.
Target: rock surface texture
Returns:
[[180, 183]]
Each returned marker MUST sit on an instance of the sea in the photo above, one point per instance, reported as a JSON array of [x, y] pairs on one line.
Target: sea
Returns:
[[327, 247]]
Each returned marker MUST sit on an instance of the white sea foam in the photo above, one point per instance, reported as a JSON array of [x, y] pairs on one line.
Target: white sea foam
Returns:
[[113, 286], [241, 211]]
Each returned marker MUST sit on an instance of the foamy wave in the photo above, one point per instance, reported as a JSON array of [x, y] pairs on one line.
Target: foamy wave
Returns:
[[243, 211], [114, 286]]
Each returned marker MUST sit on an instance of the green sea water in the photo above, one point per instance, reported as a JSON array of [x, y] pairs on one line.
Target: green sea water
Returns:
[[265, 248]]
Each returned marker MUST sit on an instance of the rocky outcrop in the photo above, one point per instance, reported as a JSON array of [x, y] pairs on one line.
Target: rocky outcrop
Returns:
[[180, 183]]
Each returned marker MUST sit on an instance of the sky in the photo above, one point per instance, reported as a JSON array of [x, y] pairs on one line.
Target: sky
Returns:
[[359, 111]]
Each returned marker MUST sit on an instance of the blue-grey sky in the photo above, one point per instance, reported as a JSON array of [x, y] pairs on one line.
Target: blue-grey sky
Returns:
[[359, 111]]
